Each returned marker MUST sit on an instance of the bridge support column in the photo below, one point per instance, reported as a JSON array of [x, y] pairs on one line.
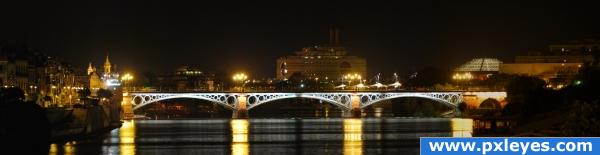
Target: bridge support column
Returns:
[[355, 111], [241, 112], [127, 106]]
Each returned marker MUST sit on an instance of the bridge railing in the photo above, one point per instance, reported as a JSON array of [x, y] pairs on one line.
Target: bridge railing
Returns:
[[317, 91]]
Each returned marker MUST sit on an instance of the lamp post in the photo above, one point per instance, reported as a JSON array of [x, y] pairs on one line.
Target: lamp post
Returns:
[[240, 77], [126, 78], [351, 77]]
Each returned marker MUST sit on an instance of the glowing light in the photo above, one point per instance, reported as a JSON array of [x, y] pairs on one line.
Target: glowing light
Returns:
[[463, 76], [127, 138], [127, 77], [378, 85], [461, 127], [578, 82], [360, 85], [239, 133], [113, 82], [240, 77], [353, 136], [396, 84], [53, 149], [69, 148], [239, 130]]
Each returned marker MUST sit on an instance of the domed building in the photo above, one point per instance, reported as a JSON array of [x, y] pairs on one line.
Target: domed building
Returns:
[[478, 68]]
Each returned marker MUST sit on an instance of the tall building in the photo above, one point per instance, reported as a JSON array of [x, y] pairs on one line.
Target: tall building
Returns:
[[327, 61]]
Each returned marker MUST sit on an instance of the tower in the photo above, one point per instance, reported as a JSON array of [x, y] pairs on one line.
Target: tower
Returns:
[[90, 69], [107, 66]]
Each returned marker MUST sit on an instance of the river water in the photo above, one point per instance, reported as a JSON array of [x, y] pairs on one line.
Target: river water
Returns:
[[269, 136]]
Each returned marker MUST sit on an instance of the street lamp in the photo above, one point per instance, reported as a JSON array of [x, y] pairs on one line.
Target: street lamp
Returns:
[[240, 77], [351, 77], [127, 77]]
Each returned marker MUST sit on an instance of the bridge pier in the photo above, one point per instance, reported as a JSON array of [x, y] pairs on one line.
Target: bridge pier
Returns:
[[127, 106], [240, 112], [355, 111]]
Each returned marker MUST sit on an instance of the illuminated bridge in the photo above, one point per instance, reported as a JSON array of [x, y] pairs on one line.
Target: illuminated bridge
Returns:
[[350, 102]]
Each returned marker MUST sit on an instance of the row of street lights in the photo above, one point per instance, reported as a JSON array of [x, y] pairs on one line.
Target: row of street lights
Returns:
[[240, 77], [352, 77]]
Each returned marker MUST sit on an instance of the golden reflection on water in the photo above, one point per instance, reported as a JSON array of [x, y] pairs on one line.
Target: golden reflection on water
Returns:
[[462, 127], [53, 149], [127, 138], [68, 148], [352, 136], [239, 136]]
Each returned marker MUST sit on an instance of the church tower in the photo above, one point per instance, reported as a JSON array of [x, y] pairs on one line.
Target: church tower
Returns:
[[107, 66], [90, 69]]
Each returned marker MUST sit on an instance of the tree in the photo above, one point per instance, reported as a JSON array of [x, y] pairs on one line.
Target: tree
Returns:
[[525, 95]]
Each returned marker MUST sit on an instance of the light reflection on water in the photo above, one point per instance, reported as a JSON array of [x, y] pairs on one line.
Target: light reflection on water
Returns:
[[352, 136], [127, 138], [269, 136], [239, 136]]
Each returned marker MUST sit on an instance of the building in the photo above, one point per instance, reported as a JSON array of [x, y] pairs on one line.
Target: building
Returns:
[[44, 79], [327, 61], [478, 68], [553, 73], [109, 78], [558, 65], [193, 79]]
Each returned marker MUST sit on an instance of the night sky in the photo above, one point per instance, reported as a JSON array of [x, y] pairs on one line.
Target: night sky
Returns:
[[246, 36]]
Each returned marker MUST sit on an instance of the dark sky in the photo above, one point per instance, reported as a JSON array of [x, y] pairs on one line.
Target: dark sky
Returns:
[[248, 36]]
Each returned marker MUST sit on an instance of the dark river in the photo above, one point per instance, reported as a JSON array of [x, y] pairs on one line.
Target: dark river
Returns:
[[398, 136]]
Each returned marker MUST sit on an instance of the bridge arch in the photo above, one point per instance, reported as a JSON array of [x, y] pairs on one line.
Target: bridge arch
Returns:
[[341, 100], [449, 99], [490, 103], [227, 101]]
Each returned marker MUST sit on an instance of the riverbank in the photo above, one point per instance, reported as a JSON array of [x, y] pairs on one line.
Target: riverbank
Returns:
[[83, 121]]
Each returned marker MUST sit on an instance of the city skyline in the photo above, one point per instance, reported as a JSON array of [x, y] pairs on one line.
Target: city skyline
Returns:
[[300, 77], [209, 36]]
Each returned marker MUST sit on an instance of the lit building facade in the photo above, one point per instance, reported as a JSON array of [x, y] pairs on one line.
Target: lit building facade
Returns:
[[109, 79], [558, 65], [478, 69], [44, 79], [328, 61]]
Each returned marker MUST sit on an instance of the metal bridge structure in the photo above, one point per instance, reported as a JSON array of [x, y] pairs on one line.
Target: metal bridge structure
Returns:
[[350, 102]]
